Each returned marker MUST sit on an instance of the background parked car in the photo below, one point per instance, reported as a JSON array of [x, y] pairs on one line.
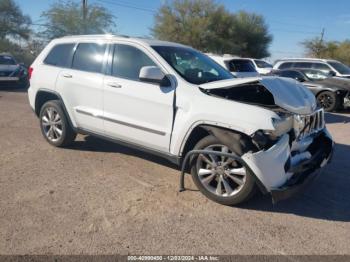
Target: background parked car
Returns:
[[327, 66], [261, 66], [12, 73], [239, 67], [332, 93]]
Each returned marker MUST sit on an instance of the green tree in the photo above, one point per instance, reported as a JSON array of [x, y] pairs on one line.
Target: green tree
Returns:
[[250, 34], [66, 18], [13, 23], [209, 27], [328, 49]]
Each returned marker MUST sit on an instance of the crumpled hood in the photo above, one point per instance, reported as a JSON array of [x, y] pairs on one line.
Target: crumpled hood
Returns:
[[287, 93], [336, 82]]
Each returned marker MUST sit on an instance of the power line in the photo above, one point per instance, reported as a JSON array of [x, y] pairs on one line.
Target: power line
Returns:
[[128, 6], [294, 31], [292, 24]]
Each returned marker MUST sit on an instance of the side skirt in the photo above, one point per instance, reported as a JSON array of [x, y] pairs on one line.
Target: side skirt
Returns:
[[172, 158]]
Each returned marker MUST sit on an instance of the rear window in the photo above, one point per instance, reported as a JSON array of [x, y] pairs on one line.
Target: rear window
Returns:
[[241, 66], [89, 57], [7, 60], [60, 55], [285, 65], [305, 65]]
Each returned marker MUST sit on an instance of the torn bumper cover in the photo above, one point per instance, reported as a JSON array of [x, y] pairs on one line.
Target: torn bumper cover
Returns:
[[278, 171]]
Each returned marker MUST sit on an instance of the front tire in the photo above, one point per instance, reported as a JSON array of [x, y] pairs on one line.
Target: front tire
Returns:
[[54, 124], [328, 100], [221, 179]]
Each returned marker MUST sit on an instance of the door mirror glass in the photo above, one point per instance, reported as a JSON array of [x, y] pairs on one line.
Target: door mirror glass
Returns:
[[151, 74]]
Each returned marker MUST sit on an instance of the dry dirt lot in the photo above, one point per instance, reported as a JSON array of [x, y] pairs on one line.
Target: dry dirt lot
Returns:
[[102, 198]]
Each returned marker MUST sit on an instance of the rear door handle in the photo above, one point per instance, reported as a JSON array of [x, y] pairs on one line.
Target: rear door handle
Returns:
[[114, 85], [67, 75]]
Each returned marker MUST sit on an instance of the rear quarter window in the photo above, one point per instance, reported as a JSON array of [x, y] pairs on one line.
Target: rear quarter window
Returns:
[[60, 55]]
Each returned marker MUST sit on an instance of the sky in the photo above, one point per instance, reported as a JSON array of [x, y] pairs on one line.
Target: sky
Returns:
[[290, 22]]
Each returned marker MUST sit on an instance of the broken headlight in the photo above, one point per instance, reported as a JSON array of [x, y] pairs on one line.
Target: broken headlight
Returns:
[[264, 139]]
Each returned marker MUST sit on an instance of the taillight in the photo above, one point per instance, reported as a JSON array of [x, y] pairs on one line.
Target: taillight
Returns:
[[30, 72]]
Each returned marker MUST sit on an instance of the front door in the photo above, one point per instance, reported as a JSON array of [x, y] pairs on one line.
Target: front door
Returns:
[[136, 111]]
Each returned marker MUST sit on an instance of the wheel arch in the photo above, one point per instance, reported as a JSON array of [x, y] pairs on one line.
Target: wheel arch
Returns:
[[224, 134], [45, 95], [237, 141]]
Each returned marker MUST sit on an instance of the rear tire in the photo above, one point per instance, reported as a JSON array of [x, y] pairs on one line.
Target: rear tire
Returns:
[[328, 100], [229, 184], [54, 124]]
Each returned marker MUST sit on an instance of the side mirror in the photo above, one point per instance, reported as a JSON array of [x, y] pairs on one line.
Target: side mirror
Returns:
[[300, 79], [332, 73], [151, 74]]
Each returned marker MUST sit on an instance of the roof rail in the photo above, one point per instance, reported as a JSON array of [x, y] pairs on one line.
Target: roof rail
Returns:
[[302, 58], [96, 35]]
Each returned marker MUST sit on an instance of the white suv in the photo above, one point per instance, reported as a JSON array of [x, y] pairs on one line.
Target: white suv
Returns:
[[234, 135], [327, 66], [239, 67]]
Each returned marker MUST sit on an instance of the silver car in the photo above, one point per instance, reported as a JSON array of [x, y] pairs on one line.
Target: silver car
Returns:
[[12, 73]]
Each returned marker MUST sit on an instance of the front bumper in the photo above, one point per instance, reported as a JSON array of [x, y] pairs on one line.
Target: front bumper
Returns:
[[307, 171], [281, 178]]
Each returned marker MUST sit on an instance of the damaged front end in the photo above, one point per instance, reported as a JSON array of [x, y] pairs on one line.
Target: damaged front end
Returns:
[[290, 155]]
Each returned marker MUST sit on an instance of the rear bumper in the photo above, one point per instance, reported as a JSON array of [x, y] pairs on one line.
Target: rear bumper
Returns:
[[304, 173], [9, 79]]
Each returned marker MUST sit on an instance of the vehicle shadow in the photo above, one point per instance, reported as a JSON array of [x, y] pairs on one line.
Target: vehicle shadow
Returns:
[[95, 144], [340, 117], [327, 198]]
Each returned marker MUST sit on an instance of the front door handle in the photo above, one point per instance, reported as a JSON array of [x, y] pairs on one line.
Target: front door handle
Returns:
[[67, 75], [114, 85]]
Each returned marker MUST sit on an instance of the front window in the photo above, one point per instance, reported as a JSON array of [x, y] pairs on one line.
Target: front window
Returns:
[[262, 64], [128, 61], [341, 68], [192, 65], [7, 60]]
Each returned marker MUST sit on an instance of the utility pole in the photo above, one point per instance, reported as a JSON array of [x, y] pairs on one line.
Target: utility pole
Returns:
[[320, 44], [322, 35], [84, 15]]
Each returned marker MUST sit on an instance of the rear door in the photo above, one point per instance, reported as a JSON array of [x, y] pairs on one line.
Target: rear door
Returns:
[[81, 86], [135, 111], [45, 73]]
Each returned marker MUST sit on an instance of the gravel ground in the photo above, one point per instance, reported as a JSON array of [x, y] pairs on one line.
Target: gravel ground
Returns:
[[102, 198]]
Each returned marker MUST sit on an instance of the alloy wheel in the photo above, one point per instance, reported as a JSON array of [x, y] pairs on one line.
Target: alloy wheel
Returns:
[[220, 175], [51, 123], [325, 100]]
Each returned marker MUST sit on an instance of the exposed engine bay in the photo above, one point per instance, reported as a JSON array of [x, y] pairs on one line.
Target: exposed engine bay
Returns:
[[253, 93]]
